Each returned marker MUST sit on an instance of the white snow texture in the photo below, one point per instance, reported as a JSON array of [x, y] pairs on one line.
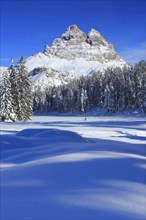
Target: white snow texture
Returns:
[[71, 168]]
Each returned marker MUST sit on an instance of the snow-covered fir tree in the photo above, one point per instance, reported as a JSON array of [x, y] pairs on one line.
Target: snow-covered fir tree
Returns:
[[24, 99], [6, 101], [120, 89], [14, 87], [140, 84]]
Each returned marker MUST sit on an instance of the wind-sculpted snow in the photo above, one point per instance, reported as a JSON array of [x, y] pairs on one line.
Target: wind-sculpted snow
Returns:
[[70, 168]]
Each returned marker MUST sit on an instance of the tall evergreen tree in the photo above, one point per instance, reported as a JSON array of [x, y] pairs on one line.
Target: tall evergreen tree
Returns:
[[140, 85], [14, 87], [24, 99], [6, 101]]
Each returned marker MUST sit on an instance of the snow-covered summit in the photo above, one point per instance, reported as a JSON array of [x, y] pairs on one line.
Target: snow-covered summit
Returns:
[[73, 32], [77, 53], [74, 43], [93, 32], [74, 54]]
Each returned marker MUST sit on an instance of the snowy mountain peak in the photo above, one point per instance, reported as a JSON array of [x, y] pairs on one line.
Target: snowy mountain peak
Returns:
[[72, 33], [71, 55], [74, 28], [96, 39], [74, 43], [93, 32]]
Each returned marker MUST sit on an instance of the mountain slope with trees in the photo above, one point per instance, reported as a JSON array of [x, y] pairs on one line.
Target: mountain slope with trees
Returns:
[[117, 89]]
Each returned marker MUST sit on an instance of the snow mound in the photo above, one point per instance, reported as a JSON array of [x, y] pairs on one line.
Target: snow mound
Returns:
[[53, 135]]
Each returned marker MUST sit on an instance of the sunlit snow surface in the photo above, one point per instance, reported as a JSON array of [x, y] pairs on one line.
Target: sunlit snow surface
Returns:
[[78, 66], [72, 167], [65, 70]]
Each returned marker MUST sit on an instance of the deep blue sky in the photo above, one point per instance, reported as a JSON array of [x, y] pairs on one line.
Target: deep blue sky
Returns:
[[27, 25]]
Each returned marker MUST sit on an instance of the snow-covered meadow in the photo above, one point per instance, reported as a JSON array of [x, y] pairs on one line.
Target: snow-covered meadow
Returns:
[[74, 167]]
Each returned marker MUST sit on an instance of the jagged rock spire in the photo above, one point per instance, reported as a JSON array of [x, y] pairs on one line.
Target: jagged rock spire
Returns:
[[74, 43], [73, 32]]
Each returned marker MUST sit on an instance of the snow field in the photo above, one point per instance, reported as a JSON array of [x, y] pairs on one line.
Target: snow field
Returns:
[[66, 167]]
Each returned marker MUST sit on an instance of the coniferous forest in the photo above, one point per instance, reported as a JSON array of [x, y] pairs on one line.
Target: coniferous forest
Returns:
[[114, 90]]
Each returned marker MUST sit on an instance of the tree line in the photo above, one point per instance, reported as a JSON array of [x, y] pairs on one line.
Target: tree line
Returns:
[[114, 90]]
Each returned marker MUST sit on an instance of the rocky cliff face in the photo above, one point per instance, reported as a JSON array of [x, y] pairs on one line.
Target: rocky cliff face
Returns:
[[74, 43]]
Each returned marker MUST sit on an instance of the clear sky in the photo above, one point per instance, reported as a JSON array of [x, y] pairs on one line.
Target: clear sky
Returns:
[[27, 25]]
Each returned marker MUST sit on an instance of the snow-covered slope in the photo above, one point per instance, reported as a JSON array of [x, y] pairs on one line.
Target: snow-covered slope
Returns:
[[77, 66], [55, 71]]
